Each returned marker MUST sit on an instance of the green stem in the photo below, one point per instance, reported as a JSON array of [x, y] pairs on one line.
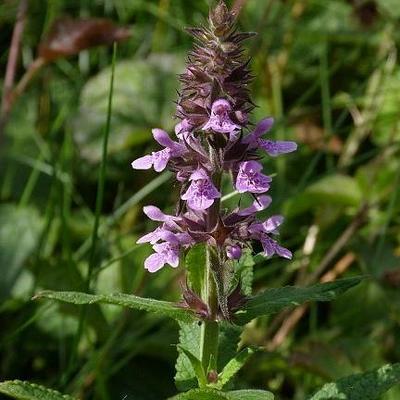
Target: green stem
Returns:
[[210, 328]]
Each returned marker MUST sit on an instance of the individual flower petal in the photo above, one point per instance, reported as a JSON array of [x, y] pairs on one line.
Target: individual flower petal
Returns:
[[145, 162], [271, 224], [250, 179], [261, 203], [234, 252], [201, 193], [262, 127], [151, 237], [219, 120], [154, 262], [176, 149], [155, 214], [160, 159], [271, 247], [274, 148]]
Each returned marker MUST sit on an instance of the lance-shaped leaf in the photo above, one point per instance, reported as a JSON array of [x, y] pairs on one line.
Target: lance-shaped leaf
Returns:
[[197, 366], [202, 394], [189, 338], [30, 391], [120, 299], [367, 386], [274, 300], [212, 394], [250, 395], [233, 367]]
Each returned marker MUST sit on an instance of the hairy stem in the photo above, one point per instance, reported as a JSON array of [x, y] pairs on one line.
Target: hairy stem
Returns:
[[210, 328]]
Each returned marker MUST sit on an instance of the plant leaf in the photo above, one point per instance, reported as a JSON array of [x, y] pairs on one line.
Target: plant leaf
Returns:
[[69, 36], [126, 300], [189, 337], [274, 300], [19, 232], [197, 366], [195, 262], [229, 338], [202, 394], [367, 386], [30, 391], [250, 395], [233, 367], [212, 394]]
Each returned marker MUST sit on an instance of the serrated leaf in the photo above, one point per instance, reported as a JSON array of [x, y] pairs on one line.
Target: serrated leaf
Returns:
[[120, 299], [229, 338], [245, 271], [211, 394], [30, 391], [367, 386], [189, 338], [202, 394], [195, 262], [250, 395], [196, 365], [233, 367], [274, 300]]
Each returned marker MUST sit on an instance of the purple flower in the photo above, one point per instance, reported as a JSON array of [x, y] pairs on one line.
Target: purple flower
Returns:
[[250, 179], [261, 203], [219, 120], [273, 148], [272, 247], [166, 253], [183, 129], [201, 192], [234, 252], [155, 214], [159, 159], [152, 237], [269, 226]]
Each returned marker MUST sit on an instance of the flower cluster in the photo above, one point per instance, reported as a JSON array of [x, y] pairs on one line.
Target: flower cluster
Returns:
[[211, 142]]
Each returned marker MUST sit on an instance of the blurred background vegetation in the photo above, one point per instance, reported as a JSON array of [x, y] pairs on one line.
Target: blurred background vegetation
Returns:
[[326, 70]]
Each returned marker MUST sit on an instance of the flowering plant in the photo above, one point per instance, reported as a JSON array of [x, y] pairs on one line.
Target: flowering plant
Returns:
[[217, 147]]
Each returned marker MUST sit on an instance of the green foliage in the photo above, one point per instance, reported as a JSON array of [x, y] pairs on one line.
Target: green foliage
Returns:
[[196, 365], [195, 262], [211, 394], [333, 190], [274, 300], [19, 233], [189, 338], [163, 308], [367, 386], [142, 98], [29, 391], [233, 367]]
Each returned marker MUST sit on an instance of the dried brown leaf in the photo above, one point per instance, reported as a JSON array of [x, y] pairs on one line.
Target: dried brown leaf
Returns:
[[69, 36]]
